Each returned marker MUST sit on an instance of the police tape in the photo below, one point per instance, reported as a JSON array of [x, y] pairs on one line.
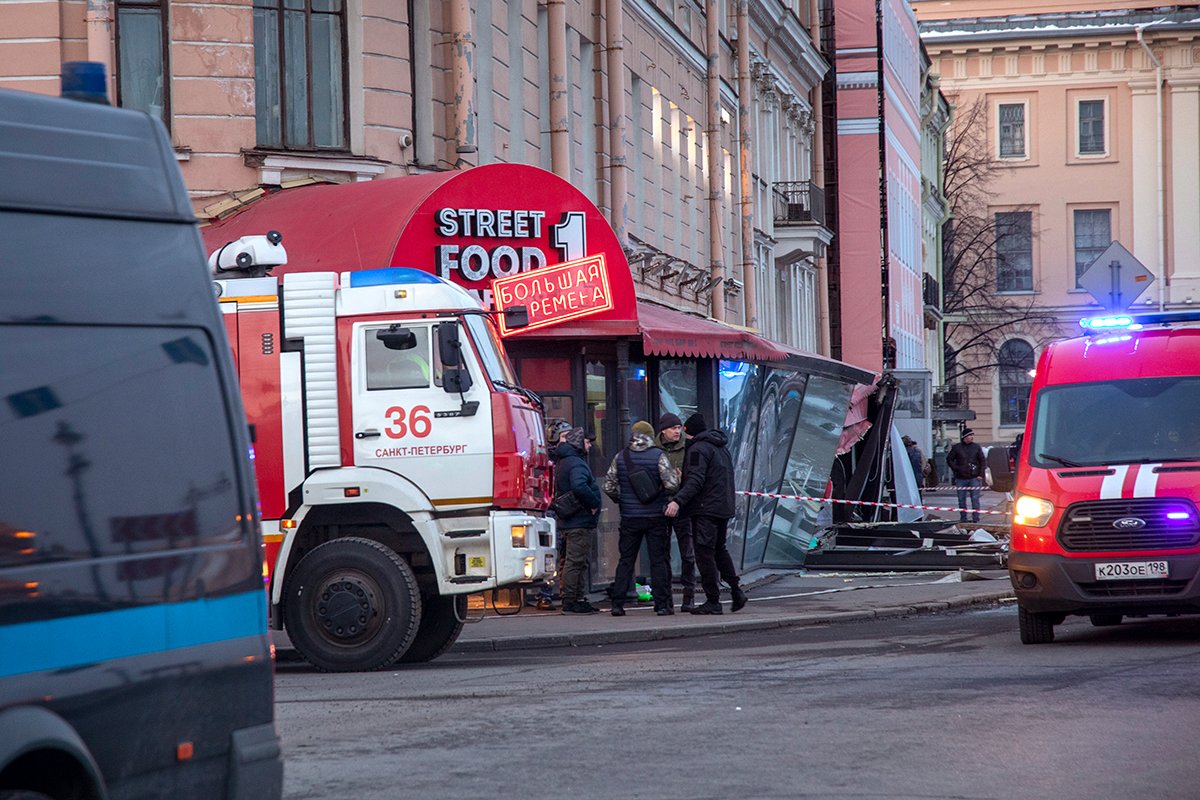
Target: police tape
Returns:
[[872, 503]]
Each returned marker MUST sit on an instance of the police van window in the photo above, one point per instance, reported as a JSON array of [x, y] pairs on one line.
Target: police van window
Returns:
[[398, 369], [110, 414]]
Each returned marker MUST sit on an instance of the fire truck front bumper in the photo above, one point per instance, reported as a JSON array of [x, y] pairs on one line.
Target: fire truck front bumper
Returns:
[[525, 547]]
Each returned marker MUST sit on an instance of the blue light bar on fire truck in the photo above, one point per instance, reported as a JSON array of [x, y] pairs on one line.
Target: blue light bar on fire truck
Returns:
[[1137, 321]]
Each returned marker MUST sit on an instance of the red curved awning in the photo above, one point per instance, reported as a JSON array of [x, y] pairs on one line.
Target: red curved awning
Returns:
[[666, 332]]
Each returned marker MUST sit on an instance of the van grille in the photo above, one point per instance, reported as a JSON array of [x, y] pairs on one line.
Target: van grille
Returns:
[[1089, 526], [1133, 588]]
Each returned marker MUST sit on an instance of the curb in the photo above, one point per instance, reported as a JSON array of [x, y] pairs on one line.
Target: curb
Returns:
[[634, 635]]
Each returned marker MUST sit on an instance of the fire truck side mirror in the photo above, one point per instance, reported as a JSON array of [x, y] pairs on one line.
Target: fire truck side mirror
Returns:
[[397, 338], [449, 345], [456, 381], [516, 317], [1000, 469]]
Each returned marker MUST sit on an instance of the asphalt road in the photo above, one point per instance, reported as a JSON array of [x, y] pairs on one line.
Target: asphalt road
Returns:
[[938, 706]]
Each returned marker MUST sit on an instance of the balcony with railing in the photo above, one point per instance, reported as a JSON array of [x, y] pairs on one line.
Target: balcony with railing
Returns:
[[931, 297], [798, 211], [952, 403]]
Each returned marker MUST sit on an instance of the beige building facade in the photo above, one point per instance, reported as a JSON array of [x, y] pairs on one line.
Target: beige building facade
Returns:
[[1092, 114], [704, 171]]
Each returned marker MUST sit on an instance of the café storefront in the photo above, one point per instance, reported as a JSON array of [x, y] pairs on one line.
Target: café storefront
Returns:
[[600, 357]]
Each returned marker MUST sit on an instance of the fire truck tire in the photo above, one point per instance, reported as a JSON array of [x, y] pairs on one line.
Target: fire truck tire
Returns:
[[352, 605], [442, 621], [1036, 628]]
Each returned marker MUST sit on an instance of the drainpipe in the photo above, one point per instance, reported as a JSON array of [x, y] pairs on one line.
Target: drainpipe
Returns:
[[99, 19], [556, 37], [614, 16], [712, 132], [462, 54], [1162, 188], [814, 33], [745, 98]]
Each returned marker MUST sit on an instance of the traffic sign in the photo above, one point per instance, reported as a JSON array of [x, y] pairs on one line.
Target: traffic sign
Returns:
[[1116, 278]]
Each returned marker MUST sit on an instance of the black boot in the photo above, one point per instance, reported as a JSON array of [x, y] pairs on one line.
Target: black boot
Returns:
[[739, 598], [708, 608], [689, 602]]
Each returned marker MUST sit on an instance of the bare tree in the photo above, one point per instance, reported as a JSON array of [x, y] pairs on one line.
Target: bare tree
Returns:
[[976, 262]]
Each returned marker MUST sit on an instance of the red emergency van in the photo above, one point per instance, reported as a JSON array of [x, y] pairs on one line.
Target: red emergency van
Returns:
[[1105, 521]]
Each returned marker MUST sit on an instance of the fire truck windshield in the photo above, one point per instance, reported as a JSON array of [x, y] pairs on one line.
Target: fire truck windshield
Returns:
[[1145, 420], [491, 351]]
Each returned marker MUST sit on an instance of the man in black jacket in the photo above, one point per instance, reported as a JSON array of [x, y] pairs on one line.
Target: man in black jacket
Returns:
[[573, 476], [706, 496], [642, 516], [967, 462]]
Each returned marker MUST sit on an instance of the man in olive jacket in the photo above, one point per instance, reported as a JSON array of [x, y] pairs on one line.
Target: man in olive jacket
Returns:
[[706, 497], [670, 439]]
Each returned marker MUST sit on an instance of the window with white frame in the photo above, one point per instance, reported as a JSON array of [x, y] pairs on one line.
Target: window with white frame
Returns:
[[141, 57], [1016, 364], [1091, 128], [1014, 251], [299, 74], [1011, 130], [1093, 233]]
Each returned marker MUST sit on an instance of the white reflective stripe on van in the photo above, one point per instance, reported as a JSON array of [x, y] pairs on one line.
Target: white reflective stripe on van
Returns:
[[1146, 483], [1110, 487]]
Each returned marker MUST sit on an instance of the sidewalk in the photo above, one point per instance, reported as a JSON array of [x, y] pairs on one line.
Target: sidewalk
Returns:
[[777, 600]]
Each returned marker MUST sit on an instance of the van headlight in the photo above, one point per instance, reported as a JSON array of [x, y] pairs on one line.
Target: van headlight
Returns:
[[1032, 511]]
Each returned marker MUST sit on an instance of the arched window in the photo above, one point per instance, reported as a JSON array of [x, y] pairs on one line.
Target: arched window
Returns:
[[1016, 364]]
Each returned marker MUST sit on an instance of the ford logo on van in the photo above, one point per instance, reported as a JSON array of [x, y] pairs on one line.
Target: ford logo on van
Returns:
[[1129, 523]]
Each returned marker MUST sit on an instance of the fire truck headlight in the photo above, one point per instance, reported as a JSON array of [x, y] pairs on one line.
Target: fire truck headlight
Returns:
[[520, 534], [1032, 511], [529, 568]]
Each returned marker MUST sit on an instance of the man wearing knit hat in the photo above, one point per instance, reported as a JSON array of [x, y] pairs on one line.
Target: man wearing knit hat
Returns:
[[706, 497], [967, 462], [670, 439], [640, 480]]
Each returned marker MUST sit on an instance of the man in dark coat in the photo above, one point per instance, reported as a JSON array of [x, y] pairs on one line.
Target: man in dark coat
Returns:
[[642, 518], [670, 439], [967, 462], [706, 497], [572, 475]]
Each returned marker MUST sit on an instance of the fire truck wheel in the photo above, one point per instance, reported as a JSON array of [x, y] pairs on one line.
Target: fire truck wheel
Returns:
[[352, 605], [1036, 628], [441, 622]]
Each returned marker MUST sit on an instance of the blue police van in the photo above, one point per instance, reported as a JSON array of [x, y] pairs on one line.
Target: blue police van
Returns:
[[134, 656]]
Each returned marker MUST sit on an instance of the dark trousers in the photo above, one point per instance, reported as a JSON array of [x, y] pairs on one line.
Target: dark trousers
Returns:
[[712, 557], [968, 488], [658, 544], [577, 546], [682, 526]]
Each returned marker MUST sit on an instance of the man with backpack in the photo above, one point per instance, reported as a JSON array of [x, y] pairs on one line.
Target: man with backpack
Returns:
[[639, 480]]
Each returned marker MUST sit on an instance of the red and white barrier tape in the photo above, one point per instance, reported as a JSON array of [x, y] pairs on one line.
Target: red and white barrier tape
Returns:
[[871, 503]]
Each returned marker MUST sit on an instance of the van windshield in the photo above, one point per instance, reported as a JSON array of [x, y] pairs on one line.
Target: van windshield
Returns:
[[1145, 420]]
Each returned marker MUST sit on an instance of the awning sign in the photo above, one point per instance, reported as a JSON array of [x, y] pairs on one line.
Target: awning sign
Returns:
[[557, 294]]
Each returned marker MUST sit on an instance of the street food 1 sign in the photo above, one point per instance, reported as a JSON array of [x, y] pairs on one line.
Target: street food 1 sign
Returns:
[[554, 295]]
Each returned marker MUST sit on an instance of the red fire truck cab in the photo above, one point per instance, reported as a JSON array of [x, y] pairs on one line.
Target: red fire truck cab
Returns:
[[1105, 519]]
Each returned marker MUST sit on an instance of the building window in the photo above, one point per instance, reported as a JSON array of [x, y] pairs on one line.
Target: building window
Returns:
[[141, 56], [1016, 364], [1014, 251], [1093, 233], [1091, 127], [1012, 130], [299, 74]]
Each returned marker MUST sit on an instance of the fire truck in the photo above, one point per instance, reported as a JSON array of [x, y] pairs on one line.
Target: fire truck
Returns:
[[1107, 479], [400, 465]]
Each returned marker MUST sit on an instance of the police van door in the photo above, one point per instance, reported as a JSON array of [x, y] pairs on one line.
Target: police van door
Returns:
[[416, 416]]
